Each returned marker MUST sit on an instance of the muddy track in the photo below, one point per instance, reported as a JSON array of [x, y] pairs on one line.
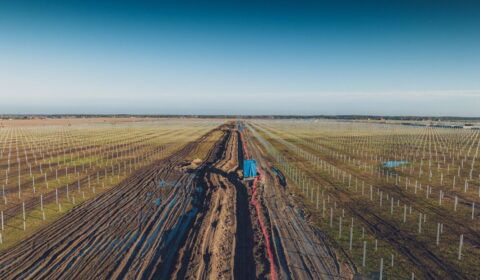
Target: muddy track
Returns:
[[300, 251], [168, 222], [220, 244], [126, 232], [250, 257]]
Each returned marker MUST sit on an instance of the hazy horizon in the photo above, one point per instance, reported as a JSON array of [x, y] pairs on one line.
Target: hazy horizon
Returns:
[[393, 58]]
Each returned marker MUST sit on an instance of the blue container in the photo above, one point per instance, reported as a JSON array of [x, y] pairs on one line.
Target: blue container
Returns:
[[249, 168], [394, 163]]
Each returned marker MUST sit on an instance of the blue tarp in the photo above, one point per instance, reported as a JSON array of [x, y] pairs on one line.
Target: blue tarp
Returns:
[[249, 168], [394, 163]]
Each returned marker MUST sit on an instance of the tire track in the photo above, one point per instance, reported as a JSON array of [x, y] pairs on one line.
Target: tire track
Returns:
[[123, 233]]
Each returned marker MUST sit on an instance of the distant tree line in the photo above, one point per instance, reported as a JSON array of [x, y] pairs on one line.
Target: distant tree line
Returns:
[[333, 117]]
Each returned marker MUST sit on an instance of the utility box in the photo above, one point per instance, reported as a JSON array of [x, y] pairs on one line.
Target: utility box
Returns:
[[249, 168]]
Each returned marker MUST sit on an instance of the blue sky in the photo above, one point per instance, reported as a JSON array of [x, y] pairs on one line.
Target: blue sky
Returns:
[[240, 57]]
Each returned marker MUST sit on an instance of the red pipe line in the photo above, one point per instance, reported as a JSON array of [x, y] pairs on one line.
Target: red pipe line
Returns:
[[254, 201]]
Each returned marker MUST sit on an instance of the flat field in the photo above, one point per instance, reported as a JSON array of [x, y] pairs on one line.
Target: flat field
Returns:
[[49, 166], [398, 199], [167, 199]]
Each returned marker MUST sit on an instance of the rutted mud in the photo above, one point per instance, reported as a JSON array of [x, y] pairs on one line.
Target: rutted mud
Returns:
[[169, 222]]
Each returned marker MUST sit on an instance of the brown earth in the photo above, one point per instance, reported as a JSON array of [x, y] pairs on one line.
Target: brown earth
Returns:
[[169, 222]]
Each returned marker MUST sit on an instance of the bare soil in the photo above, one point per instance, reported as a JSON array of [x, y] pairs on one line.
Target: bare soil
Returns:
[[171, 222]]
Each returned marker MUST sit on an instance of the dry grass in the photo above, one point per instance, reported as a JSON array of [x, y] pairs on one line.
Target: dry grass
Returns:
[[324, 155], [93, 148]]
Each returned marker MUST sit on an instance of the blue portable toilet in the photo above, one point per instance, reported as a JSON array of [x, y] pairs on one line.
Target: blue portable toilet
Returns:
[[240, 126], [249, 168]]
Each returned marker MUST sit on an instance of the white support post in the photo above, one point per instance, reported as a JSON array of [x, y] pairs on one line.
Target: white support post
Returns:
[[438, 234], [420, 223], [364, 259], [351, 238], [381, 269], [460, 248]]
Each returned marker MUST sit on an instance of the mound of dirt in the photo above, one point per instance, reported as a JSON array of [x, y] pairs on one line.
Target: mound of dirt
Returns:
[[189, 165], [196, 162]]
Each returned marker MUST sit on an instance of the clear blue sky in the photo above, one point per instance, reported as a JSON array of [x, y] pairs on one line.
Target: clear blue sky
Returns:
[[251, 57]]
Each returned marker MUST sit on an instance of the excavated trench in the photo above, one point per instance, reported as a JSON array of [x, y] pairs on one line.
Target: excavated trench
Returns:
[[201, 225]]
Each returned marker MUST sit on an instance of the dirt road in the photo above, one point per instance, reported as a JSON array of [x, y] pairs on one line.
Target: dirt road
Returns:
[[167, 222], [301, 251]]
